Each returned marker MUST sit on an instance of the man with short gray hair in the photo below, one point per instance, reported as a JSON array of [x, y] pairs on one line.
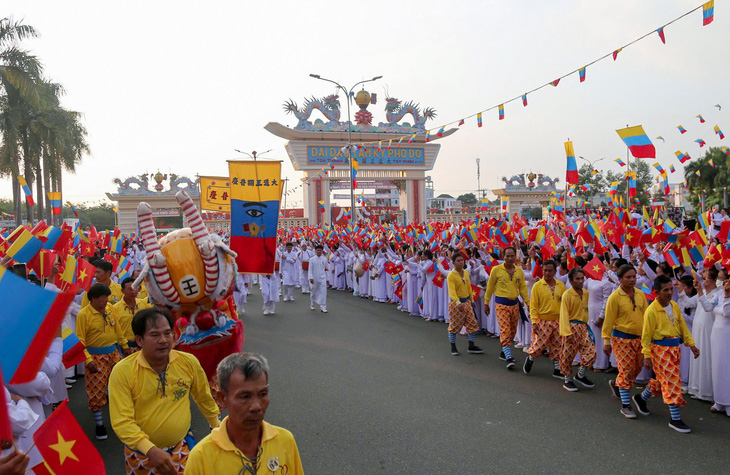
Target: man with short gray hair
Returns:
[[244, 442]]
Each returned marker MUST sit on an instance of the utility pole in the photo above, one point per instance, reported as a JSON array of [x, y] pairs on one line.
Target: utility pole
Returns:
[[479, 185]]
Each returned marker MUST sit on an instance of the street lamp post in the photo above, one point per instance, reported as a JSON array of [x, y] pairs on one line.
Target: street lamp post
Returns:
[[349, 134], [591, 163]]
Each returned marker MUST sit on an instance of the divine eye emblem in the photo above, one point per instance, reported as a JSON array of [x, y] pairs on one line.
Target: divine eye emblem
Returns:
[[254, 213]]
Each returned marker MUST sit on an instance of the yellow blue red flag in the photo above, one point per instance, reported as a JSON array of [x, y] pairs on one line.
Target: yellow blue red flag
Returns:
[[255, 198]]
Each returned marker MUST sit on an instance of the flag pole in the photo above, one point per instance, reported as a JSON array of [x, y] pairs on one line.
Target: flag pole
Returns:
[[628, 178]]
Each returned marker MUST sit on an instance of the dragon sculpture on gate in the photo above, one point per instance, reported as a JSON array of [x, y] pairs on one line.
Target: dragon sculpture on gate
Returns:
[[142, 182], [395, 111], [329, 106]]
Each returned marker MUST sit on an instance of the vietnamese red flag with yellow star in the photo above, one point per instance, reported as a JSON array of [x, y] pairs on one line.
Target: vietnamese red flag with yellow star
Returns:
[[85, 274], [65, 447], [595, 269]]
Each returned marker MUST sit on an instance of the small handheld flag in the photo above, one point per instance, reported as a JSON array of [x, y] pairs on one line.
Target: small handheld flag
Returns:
[[55, 198], [26, 191]]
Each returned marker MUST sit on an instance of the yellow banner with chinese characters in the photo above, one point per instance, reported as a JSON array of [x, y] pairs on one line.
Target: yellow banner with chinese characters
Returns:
[[215, 193]]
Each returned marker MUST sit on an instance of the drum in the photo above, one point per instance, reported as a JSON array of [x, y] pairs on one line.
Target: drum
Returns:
[[276, 266], [305, 265]]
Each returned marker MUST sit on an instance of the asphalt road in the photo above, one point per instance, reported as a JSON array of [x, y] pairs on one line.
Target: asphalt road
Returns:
[[368, 389]]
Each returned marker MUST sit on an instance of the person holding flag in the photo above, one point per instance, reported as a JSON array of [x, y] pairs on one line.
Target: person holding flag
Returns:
[[104, 271], [317, 277], [507, 283], [149, 397], [621, 332], [102, 336]]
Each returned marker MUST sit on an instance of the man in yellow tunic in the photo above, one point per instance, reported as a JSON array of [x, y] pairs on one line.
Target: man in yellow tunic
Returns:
[[461, 312], [126, 308], [245, 443], [102, 336], [149, 394], [621, 332], [576, 335], [506, 282], [663, 331], [545, 301]]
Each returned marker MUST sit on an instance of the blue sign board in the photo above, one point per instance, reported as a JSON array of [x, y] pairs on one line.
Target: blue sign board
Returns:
[[321, 155]]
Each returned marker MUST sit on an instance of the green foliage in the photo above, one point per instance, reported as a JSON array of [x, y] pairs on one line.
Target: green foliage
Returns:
[[597, 182], [644, 179], [467, 199], [712, 180], [99, 214]]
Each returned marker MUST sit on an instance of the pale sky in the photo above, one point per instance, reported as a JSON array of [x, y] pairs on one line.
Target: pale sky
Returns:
[[177, 86]]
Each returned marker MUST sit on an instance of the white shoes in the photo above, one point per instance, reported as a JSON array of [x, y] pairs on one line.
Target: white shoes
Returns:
[[311, 307], [266, 312], [324, 310], [286, 299]]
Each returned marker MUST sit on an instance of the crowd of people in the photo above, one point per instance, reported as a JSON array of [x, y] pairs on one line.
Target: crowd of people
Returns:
[[131, 365], [600, 293], [623, 310]]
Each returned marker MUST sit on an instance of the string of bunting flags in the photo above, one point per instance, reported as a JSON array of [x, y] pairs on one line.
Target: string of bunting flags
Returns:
[[707, 18]]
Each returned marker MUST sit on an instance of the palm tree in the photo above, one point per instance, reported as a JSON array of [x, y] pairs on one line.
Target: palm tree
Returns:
[[20, 73], [711, 181]]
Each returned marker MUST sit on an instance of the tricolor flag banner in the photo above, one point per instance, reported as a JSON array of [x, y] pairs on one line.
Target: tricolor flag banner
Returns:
[[620, 162], [413, 137], [681, 129], [76, 213], [255, 198], [632, 183], [660, 138], [660, 32], [26, 191], [708, 12], [698, 173], [428, 135], [712, 163], [524, 100], [702, 120], [55, 198], [719, 132], [461, 122], [501, 111], [701, 142], [637, 141], [24, 342], [571, 170], [719, 107], [615, 53], [682, 157], [355, 169], [479, 119], [672, 169], [555, 83], [582, 74], [440, 133], [24, 247]]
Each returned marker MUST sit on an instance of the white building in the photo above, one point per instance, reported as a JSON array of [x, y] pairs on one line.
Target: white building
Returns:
[[444, 202]]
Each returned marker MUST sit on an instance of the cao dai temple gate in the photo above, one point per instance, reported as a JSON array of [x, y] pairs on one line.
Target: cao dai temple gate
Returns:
[[389, 152]]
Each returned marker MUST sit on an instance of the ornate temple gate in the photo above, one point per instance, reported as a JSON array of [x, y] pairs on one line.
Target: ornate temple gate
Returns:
[[319, 151], [528, 190]]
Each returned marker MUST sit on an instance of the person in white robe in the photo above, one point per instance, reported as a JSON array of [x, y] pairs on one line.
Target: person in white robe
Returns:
[[305, 254], [721, 355], [289, 272], [700, 369], [317, 275]]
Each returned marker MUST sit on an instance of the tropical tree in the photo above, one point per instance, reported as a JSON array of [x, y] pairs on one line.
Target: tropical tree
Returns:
[[596, 181], [644, 180], [39, 138], [467, 199], [708, 176]]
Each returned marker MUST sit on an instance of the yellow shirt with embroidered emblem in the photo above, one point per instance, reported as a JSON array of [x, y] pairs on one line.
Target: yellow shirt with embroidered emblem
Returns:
[[115, 297], [657, 325], [501, 285], [96, 331], [544, 302], [622, 315], [124, 314], [573, 307], [459, 286], [216, 454], [142, 415]]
